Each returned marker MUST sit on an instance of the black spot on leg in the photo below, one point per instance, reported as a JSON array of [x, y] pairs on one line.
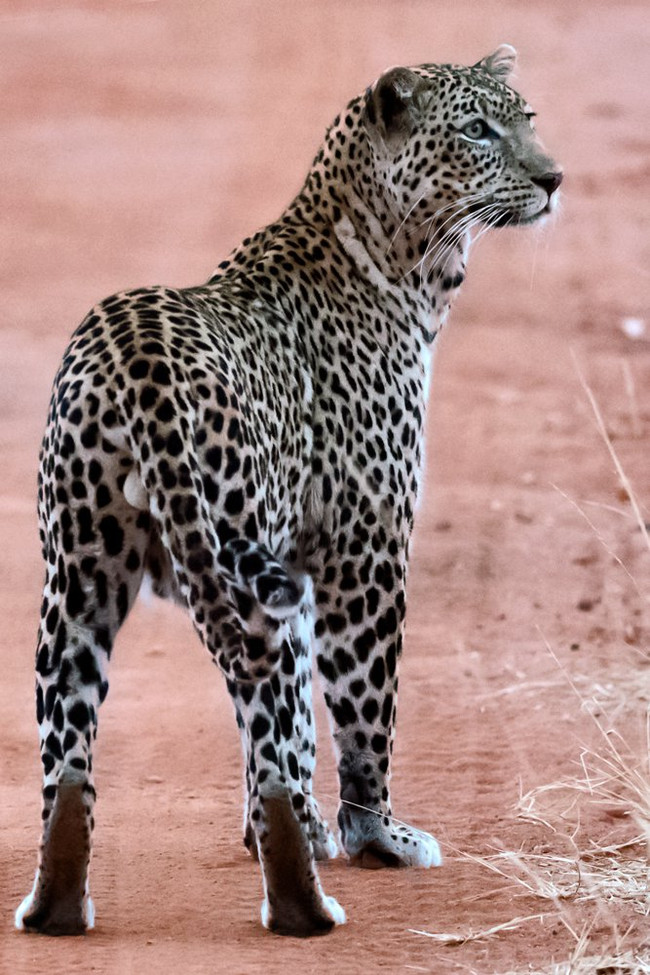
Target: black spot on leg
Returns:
[[379, 744], [255, 647], [52, 619], [326, 668], [174, 444], [50, 699], [378, 673], [102, 496], [364, 644], [132, 561], [69, 741], [87, 666], [344, 712], [122, 601], [234, 502], [79, 715], [113, 535], [370, 710], [75, 599], [53, 746], [84, 521], [57, 716], [387, 710], [260, 727], [286, 722], [250, 528], [292, 764]]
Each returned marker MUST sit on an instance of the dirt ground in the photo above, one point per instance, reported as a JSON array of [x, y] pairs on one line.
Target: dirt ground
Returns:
[[141, 141]]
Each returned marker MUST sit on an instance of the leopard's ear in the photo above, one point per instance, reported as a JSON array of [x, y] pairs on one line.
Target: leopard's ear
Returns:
[[501, 63], [393, 103]]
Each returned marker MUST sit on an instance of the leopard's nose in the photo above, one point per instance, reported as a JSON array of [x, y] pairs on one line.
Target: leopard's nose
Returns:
[[549, 181]]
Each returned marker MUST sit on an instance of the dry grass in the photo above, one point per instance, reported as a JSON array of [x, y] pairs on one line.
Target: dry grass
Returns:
[[614, 962], [609, 879], [578, 875]]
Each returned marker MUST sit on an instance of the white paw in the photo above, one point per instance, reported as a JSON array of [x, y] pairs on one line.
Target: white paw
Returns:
[[334, 909], [25, 907], [331, 847], [418, 849], [265, 913], [373, 841], [324, 844], [88, 912], [429, 854]]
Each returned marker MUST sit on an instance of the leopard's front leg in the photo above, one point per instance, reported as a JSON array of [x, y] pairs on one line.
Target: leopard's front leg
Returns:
[[361, 608]]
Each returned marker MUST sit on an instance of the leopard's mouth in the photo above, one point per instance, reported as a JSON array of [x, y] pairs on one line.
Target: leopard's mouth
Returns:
[[513, 218], [505, 217]]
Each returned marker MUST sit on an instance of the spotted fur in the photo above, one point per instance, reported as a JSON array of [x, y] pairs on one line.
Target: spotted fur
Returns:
[[254, 446]]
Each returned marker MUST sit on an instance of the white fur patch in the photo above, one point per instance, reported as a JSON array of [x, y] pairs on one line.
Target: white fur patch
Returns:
[[146, 589], [116, 436], [353, 247], [134, 491]]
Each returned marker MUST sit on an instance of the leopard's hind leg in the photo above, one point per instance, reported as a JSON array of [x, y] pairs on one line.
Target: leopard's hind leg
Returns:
[[323, 843], [94, 563], [250, 611], [284, 824]]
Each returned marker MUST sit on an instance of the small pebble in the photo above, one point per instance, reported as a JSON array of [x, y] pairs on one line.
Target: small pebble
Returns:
[[634, 328]]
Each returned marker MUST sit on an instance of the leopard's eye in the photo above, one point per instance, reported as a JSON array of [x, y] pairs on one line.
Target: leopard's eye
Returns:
[[478, 130]]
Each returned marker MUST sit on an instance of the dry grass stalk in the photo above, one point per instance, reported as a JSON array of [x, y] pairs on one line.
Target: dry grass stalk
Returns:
[[622, 476], [610, 551], [470, 935]]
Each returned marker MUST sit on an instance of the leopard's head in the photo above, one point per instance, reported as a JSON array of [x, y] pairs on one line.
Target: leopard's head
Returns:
[[454, 143]]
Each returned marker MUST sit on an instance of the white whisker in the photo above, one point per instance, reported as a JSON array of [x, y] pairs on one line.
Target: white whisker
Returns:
[[442, 246], [401, 224]]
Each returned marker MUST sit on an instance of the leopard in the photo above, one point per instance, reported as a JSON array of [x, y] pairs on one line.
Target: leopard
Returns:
[[253, 447]]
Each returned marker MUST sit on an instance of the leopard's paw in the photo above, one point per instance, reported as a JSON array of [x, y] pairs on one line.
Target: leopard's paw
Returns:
[[374, 841], [42, 913], [303, 917]]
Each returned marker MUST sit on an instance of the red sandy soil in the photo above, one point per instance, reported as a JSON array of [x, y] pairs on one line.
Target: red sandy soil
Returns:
[[141, 141]]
